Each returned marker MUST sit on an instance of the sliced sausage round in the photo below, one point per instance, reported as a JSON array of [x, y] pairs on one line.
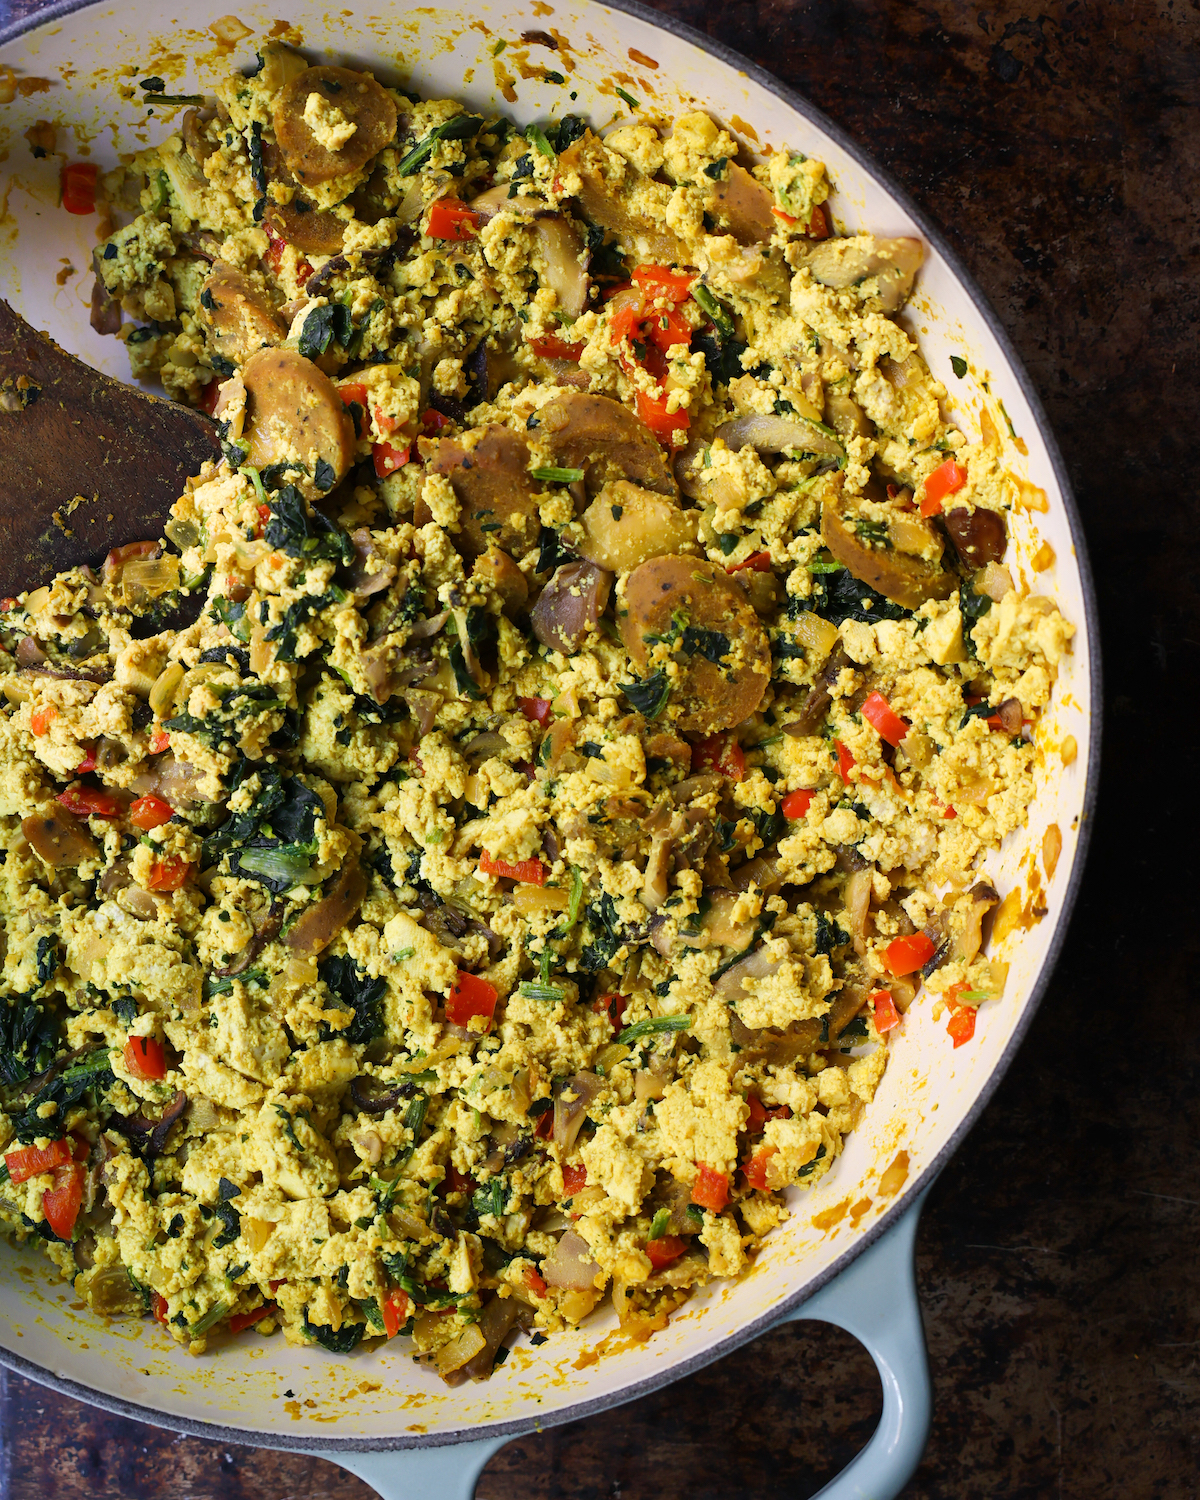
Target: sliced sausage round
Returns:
[[498, 497], [306, 227], [607, 441], [316, 139], [294, 415], [686, 612], [898, 576], [236, 315]]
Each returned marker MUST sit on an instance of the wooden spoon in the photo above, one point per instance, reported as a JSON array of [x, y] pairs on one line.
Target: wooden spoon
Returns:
[[86, 463]]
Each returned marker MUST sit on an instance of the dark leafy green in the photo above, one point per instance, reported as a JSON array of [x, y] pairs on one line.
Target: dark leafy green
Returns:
[[355, 990], [296, 531]]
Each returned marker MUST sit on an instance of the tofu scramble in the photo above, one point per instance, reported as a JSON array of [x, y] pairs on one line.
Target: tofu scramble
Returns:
[[469, 866]]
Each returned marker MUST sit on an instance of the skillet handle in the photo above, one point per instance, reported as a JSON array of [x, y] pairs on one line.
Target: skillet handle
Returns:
[[875, 1299], [449, 1472]]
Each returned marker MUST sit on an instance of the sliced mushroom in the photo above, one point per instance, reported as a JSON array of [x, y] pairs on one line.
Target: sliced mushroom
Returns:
[[846, 417], [967, 944], [771, 434], [497, 571], [607, 441], [842, 263], [717, 621], [816, 705], [625, 525], [105, 315], [979, 535], [743, 206], [318, 925], [294, 415], [371, 574], [353, 119], [489, 473], [561, 249], [570, 605], [58, 837], [905, 580], [235, 314]]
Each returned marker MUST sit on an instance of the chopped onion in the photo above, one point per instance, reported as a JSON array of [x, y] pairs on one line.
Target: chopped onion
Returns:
[[756, 965], [571, 1265]]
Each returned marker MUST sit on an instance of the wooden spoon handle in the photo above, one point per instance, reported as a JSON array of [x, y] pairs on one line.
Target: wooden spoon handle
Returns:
[[86, 463]]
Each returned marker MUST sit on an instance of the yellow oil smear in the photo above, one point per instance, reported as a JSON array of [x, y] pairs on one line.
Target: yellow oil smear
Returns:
[[1068, 749], [641, 59], [895, 1176], [1043, 558], [293, 1410], [743, 127], [828, 1217], [1030, 496]]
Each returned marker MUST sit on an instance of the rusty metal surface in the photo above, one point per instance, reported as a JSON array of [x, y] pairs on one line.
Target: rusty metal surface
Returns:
[[1057, 146]]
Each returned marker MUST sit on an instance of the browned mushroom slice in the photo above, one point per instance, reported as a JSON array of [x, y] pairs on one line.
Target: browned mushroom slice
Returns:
[[236, 315], [490, 476], [58, 837], [743, 206], [306, 227], [979, 535], [295, 415], [496, 570], [843, 263], [318, 925], [625, 524], [330, 122], [570, 605], [619, 205], [905, 580], [607, 441], [687, 609], [561, 246]]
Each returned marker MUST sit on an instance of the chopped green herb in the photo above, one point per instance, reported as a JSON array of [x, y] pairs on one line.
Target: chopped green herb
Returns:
[[958, 365], [628, 98], [654, 1026], [552, 475]]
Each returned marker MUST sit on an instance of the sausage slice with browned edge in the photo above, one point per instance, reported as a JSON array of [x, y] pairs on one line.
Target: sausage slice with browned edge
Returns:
[[352, 120], [294, 415], [236, 315], [607, 441], [489, 472], [686, 617]]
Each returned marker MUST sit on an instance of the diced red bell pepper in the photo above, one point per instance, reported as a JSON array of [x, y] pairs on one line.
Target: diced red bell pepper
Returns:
[[241, 1321], [755, 1169], [786, 217], [711, 1188], [209, 397], [663, 281], [88, 763], [662, 329], [946, 479], [91, 801], [574, 1177], [886, 1014], [614, 1006], [545, 1125], [905, 955], [471, 996], [150, 812], [388, 458], [158, 1306], [168, 874], [535, 1282], [79, 187], [524, 871], [159, 741], [758, 562], [796, 804], [536, 710], [720, 752], [433, 420], [394, 1307], [550, 346], [961, 1024], [845, 760], [889, 725], [41, 719], [661, 422], [457, 1182], [29, 1161], [145, 1059], [61, 1203], [664, 1250], [760, 1114], [451, 219], [353, 391], [818, 225]]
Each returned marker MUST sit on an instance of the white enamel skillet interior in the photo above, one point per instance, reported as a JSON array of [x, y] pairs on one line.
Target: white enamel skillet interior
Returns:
[[263, 1391]]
